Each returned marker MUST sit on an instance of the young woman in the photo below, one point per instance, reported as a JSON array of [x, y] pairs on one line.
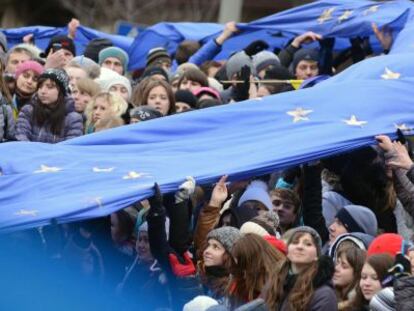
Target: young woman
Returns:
[[104, 106], [304, 281], [50, 117], [192, 79], [27, 75], [348, 266], [158, 94], [373, 273], [7, 119], [255, 263], [83, 92]]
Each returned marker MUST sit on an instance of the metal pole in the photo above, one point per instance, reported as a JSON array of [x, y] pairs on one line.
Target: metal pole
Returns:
[[230, 10]]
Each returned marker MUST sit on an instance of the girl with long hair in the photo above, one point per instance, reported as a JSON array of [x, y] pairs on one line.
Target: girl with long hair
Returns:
[[50, 117], [304, 281], [158, 94]]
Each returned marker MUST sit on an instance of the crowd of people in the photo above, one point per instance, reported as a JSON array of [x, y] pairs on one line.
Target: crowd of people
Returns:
[[335, 234]]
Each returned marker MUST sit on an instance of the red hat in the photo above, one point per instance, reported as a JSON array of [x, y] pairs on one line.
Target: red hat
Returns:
[[386, 243], [278, 244]]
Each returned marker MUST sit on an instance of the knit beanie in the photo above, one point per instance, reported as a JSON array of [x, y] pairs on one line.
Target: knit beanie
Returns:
[[65, 42], [187, 97], [264, 224], [59, 76], [200, 303], [227, 236], [278, 72], [356, 218], [33, 50], [386, 243], [312, 232], [29, 65], [157, 54], [206, 90], [236, 62], [263, 59], [94, 46], [115, 52], [89, 65], [118, 79], [304, 54], [256, 191], [144, 113], [383, 300], [214, 84], [3, 41], [361, 241], [154, 70]]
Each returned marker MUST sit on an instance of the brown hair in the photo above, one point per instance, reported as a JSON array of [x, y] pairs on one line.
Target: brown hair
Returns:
[[205, 67], [88, 86], [288, 195], [4, 90], [380, 263], [152, 83], [302, 291], [255, 262], [194, 75], [356, 258], [185, 49]]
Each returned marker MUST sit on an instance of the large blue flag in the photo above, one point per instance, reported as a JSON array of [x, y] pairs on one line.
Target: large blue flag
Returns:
[[97, 174]]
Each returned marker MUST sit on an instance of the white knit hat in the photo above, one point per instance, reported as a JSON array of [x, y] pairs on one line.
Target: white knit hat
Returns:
[[200, 303]]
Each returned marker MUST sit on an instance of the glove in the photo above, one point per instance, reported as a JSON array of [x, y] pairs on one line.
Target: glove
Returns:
[[241, 90], [185, 190], [156, 206], [256, 47]]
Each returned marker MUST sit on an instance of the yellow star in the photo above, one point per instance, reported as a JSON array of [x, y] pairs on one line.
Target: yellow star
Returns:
[[389, 75], [371, 9], [403, 127], [326, 15], [25, 212], [103, 170], [48, 169], [133, 175], [345, 16], [299, 114], [354, 122]]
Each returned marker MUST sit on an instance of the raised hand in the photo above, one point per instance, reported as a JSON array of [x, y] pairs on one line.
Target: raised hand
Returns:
[[220, 193]]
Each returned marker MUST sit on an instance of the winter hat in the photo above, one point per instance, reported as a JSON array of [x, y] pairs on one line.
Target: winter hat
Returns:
[[59, 76], [3, 41], [144, 113], [200, 303], [264, 224], [94, 46], [118, 79], [275, 242], [386, 243], [383, 300], [207, 90], [263, 59], [236, 62], [357, 218], [304, 54], [65, 42], [214, 84], [361, 241], [227, 236], [89, 65], [29, 65], [151, 71], [33, 50], [256, 191], [156, 55], [278, 72], [312, 232], [115, 52], [144, 227], [187, 97], [333, 202]]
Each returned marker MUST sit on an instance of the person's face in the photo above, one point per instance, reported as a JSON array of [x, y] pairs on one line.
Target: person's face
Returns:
[[174, 85], [67, 56], [263, 91], [27, 82], [158, 99], [114, 64], [189, 85], [142, 247], [344, 273], [257, 206], [306, 69], [120, 90], [164, 64], [75, 74], [101, 110], [15, 60], [226, 220], [369, 283], [302, 250], [181, 107], [336, 229], [285, 210], [48, 92], [81, 99], [213, 254]]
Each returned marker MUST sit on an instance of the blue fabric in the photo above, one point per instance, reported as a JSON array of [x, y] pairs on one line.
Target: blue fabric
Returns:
[[94, 174], [404, 42]]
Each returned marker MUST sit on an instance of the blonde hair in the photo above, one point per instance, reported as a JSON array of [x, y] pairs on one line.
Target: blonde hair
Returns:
[[117, 104], [108, 123], [88, 86]]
